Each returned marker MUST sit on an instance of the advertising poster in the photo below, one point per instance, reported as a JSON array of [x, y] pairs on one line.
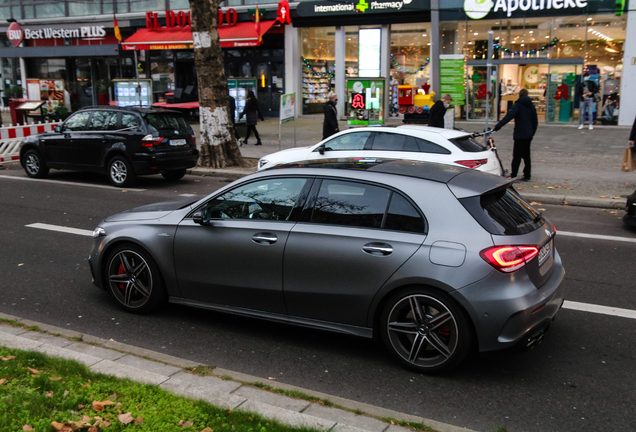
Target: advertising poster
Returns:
[[452, 76]]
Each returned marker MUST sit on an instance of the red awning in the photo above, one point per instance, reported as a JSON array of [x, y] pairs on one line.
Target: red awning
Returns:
[[239, 35]]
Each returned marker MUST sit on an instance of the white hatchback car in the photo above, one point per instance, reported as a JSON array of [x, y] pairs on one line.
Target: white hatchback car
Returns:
[[410, 142]]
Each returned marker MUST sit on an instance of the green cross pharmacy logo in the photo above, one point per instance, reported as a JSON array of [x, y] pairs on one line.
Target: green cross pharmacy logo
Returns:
[[477, 9], [362, 6]]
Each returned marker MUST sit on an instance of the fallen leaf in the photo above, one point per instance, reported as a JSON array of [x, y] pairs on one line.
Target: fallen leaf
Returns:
[[613, 212], [550, 187], [86, 385], [86, 419], [126, 418], [535, 203], [616, 197], [541, 209], [57, 426], [55, 378], [80, 407], [207, 429], [602, 196], [566, 186], [66, 393], [185, 424], [271, 378], [27, 427], [113, 396], [20, 264], [49, 394], [626, 184], [519, 188], [8, 358], [99, 406], [2, 380], [93, 429], [565, 203], [535, 187], [139, 420], [35, 371]]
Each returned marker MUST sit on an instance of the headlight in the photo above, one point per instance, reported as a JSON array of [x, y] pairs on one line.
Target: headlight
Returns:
[[99, 232], [262, 163]]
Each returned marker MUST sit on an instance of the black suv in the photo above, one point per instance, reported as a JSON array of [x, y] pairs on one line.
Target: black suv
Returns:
[[123, 142]]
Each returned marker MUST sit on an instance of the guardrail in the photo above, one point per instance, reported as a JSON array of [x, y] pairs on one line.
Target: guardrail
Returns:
[[11, 138]]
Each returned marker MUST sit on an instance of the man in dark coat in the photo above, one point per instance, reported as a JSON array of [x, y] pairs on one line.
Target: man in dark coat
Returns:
[[526, 122], [252, 113], [438, 110], [330, 125]]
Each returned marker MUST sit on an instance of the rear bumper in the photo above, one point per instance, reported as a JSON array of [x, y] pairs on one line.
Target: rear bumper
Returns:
[[508, 309], [158, 162]]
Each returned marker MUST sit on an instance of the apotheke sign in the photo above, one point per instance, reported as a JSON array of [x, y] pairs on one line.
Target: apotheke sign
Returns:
[[478, 9], [16, 33]]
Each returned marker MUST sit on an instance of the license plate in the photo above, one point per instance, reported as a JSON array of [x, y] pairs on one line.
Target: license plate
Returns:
[[178, 142], [545, 252]]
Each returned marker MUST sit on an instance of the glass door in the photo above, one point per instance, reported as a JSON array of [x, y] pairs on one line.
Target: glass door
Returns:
[[561, 93], [476, 92]]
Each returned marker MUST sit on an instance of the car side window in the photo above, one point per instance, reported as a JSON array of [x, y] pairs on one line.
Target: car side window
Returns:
[[129, 121], [389, 141], [429, 147], [350, 141], [103, 120], [270, 199], [351, 204], [402, 216], [77, 122]]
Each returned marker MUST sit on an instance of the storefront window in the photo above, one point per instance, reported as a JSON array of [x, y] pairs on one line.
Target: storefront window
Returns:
[[179, 4], [5, 12], [29, 12], [351, 51], [147, 5], [162, 72], [49, 10], [123, 6], [318, 58], [108, 6], [84, 8], [410, 53]]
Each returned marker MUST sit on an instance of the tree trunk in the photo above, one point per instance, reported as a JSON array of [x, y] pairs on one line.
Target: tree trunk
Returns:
[[217, 142]]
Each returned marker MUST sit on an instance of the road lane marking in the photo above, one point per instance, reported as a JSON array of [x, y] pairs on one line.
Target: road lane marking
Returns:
[[605, 310], [596, 236], [61, 229], [70, 183]]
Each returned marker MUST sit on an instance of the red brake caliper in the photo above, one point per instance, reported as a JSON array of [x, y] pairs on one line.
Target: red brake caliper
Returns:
[[444, 330], [121, 271]]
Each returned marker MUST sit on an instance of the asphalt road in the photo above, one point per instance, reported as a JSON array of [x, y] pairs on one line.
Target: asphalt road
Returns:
[[580, 379]]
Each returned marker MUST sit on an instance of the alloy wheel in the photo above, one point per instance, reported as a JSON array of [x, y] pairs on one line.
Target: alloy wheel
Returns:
[[423, 331], [32, 164], [118, 171], [130, 279]]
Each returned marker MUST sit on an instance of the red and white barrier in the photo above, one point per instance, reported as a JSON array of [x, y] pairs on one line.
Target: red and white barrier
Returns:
[[11, 138]]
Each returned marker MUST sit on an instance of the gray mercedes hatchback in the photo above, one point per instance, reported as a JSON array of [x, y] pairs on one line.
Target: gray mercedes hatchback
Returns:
[[434, 260]]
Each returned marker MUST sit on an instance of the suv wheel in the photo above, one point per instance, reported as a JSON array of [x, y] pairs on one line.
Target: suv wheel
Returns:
[[425, 330], [120, 172], [174, 175], [34, 164]]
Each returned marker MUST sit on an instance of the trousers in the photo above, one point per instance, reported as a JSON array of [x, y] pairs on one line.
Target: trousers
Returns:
[[589, 104], [252, 128], [521, 151]]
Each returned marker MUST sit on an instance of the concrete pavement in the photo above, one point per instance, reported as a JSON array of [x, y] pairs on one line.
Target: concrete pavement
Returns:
[[224, 388]]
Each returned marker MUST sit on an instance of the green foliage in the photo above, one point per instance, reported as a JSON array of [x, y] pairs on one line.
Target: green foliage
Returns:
[[61, 110], [59, 390], [14, 91], [412, 425]]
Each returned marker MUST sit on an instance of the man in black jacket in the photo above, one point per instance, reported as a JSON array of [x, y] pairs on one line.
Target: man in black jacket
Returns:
[[438, 110], [526, 122], [587, 92], [330, 125]]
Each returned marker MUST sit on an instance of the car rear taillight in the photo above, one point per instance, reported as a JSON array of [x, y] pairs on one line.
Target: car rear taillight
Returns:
[[474, 163], [509, 258], [194, 139], [149, 140]]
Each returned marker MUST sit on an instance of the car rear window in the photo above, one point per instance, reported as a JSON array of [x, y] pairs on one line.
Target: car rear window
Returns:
[[468, 144], [167, 121], [503, 212]]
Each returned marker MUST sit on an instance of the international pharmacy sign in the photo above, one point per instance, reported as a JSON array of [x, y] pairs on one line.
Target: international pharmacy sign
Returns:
[[330, 8]]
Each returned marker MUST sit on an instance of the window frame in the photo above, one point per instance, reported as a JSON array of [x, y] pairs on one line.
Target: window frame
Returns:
[[75, 114], [364, 147]]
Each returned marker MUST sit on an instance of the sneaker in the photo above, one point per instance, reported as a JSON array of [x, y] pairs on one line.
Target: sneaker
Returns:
[[581, 127], [591, 127]]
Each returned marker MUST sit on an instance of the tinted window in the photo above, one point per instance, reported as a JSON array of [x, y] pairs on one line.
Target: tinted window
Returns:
[[167, 122], [428, 147], [129, 121], [271, 199], [351, 204], [350, 141], [504, 212], [77, 122], [468, 144], [402, 216], [388, 141], [103, 120]]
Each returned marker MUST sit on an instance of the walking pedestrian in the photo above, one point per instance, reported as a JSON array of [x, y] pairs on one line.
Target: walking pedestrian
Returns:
[[330, 125], [233, 116], [252, 113], [438, 111], [526, 122], [588, 95]]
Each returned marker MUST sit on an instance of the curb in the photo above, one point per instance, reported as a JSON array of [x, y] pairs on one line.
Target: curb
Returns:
[[139, 364]]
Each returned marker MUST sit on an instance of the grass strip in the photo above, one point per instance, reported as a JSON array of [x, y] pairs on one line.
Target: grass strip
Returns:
[[50, 394]]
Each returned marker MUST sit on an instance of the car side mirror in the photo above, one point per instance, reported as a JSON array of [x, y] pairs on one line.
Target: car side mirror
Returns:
[[200, 217], [321, 149], [57, 128]]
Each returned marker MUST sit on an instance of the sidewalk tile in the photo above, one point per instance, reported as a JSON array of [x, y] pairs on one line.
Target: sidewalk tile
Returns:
[[56, 351], [46, 338], [212, 383], [287, 417], [18, 342], [123, 371], [270, 398], [95, 351], [345, 417], [214, 397], [13, 330], [148, 365], [345, 428]]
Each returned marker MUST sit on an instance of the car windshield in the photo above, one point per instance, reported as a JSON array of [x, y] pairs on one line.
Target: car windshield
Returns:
[[468, 144], [167, 121]]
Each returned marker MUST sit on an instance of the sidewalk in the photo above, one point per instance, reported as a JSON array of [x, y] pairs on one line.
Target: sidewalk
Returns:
[[577, 167], [125, 361]]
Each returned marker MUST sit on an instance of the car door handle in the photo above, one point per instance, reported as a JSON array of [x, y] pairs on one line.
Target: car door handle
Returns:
[[264, 238], [378, 249]]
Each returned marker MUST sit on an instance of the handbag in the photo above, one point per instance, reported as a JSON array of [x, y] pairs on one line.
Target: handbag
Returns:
[[629, 160]]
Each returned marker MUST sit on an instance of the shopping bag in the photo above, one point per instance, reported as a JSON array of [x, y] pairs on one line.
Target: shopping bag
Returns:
[[629, 160]]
